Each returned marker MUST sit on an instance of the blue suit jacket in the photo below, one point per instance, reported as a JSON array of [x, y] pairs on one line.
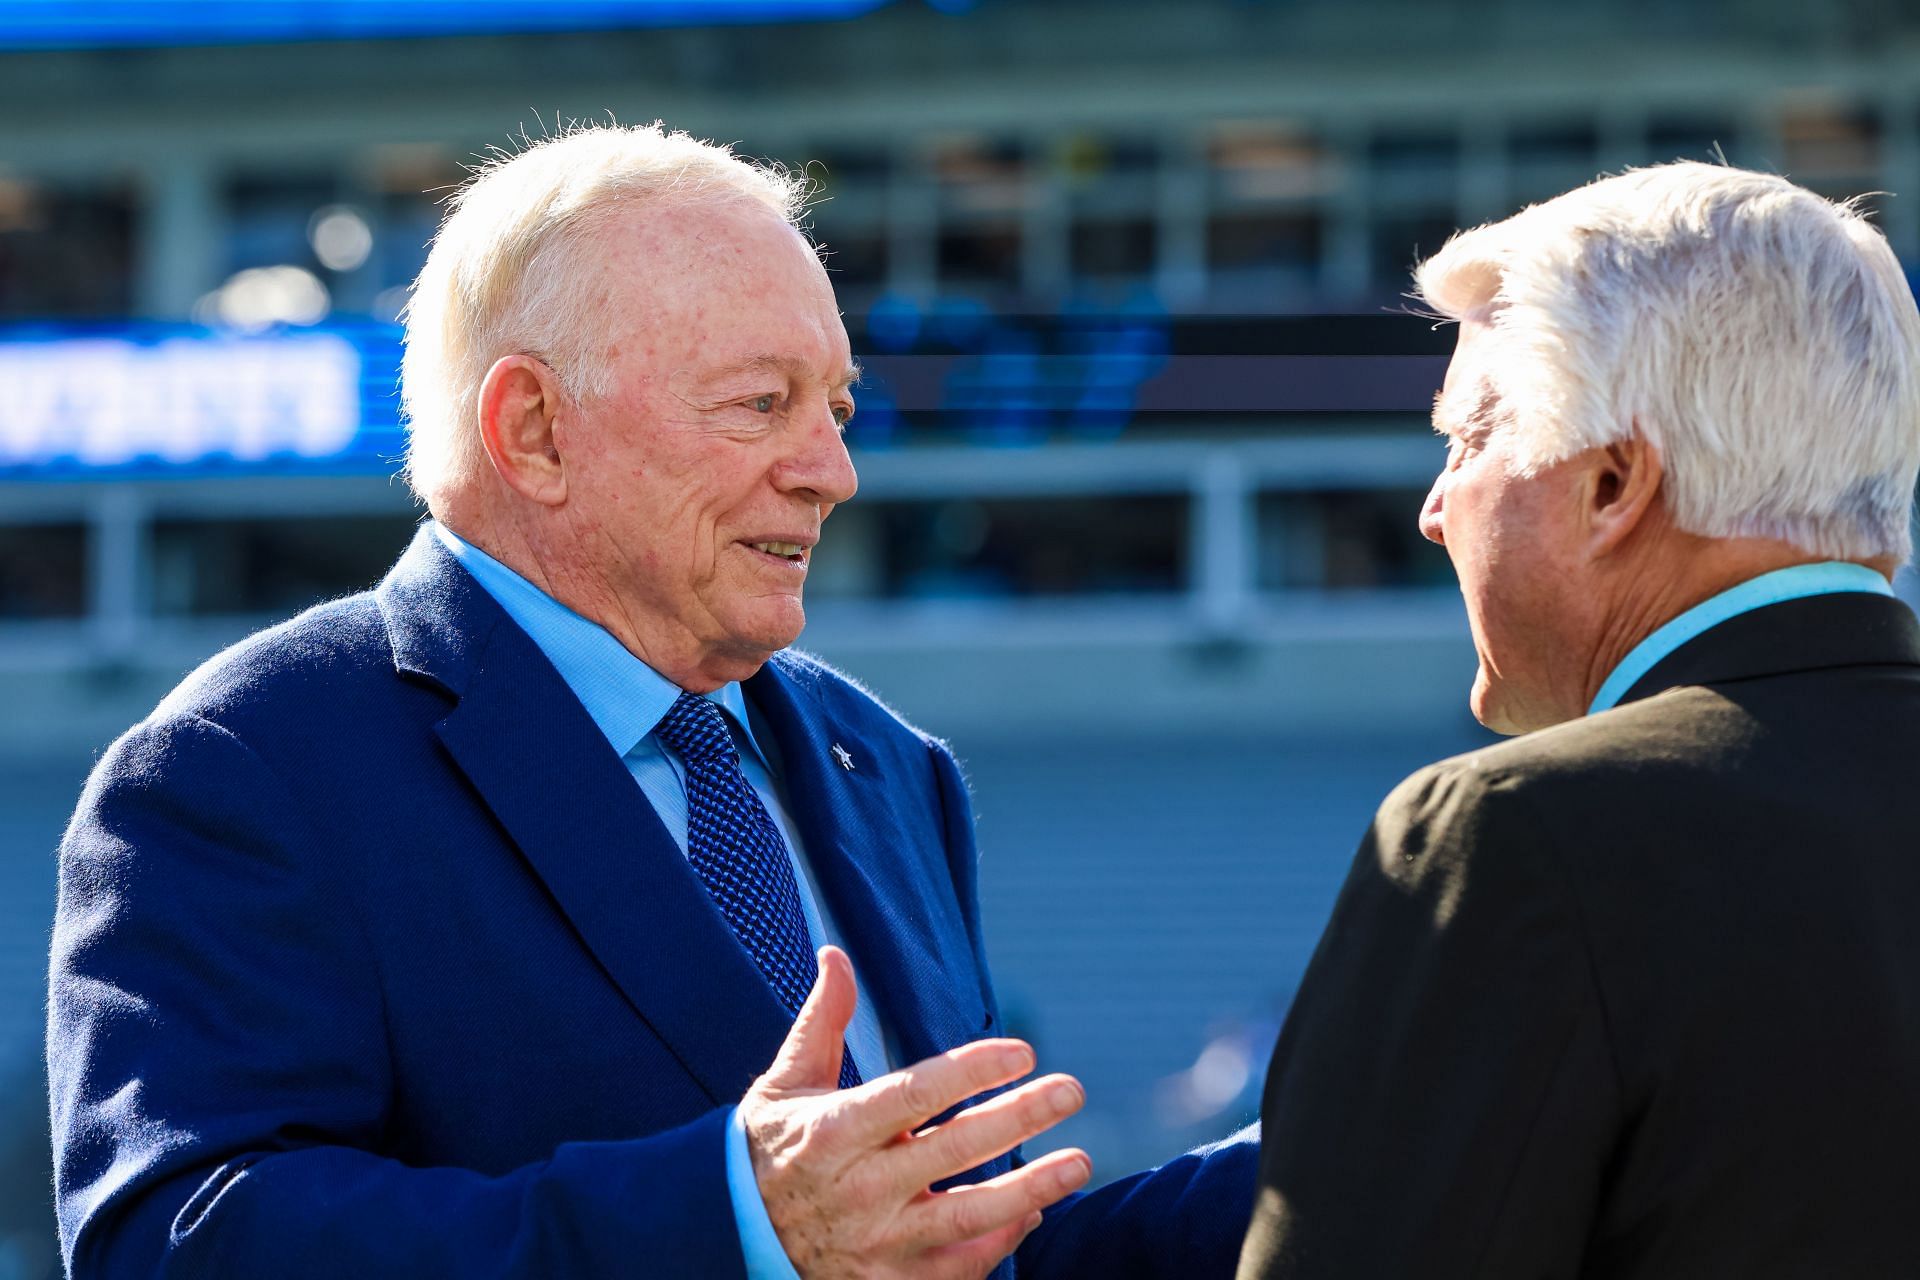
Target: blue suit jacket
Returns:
[[372, 960]]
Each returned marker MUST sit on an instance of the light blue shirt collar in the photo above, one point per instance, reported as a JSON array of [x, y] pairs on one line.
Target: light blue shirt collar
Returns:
[[1798, 582], [625, 697]]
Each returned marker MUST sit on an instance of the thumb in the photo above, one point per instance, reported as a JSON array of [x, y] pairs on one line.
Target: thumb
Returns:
[[810, 1057]]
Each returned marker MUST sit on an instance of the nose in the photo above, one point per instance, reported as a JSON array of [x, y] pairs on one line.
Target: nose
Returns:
[[1431, 527], [820, 468]]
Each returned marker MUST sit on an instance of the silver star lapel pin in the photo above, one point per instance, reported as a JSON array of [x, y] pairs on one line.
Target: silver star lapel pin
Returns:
[[844, 756]]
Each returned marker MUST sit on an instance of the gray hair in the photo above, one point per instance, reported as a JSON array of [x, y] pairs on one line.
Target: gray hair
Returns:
[[1764, 339], [506, 274]]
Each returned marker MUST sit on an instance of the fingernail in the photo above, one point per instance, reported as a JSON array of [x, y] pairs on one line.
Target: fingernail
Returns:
[[1064, 1097], [1071, 1174], [1018, 1058]]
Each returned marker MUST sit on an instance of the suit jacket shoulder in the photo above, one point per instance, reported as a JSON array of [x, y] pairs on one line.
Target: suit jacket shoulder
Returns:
[[1578, 775], [1591, 995], [842, 694], [297, 665]]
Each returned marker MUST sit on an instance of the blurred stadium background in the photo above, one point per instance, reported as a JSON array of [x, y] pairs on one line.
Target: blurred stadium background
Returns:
[[1142, 441]]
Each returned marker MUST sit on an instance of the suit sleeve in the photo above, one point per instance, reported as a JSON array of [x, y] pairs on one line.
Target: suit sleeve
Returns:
[[1181, 1221], [1443, 1098], [219, 1066]]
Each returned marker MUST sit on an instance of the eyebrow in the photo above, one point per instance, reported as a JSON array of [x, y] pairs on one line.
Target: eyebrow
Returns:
[[792, 366], [1486, 411]]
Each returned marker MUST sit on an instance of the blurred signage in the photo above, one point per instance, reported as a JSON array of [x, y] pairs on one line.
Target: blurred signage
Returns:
[[26, 24], [154, 400], [145, 403]]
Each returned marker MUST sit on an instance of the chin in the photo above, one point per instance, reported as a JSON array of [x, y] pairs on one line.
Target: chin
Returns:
[[1499, 709], [1480, 703], [766, 631], [1489, 704]]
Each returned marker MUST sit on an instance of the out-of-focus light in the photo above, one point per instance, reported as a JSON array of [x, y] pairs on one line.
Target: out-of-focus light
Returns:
[[1220, 1073], [389, 304], [261, 297], [19, 211], [1218, 1078], [340, 237]]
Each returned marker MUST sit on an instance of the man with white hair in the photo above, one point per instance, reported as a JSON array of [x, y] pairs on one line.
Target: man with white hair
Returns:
[[469, 927], [1638, 994]]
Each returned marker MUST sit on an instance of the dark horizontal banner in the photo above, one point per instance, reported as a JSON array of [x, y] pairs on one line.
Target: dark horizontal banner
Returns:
[[1171, 385], [141, 400]]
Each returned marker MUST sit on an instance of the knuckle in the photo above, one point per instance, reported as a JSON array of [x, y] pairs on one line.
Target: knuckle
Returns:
[[965, 1217], [945, 1144], [867, 1184], [918, 1095], [1037, 1108]]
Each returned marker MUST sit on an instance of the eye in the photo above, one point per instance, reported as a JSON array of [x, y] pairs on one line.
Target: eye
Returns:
[[842, 414], [763, 404]]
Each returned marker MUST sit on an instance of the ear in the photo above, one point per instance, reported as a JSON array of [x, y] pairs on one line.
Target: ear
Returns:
[[1622, 488], [518, 403]]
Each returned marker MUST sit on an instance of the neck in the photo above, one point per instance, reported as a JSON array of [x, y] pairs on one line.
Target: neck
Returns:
[[1658, 587], [530, 549]]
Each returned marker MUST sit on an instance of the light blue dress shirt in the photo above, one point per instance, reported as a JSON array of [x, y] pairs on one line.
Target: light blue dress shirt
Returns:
[[626, 698], [1796, 583]]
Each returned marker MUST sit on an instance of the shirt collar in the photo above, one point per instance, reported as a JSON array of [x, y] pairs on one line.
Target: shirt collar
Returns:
[[1794, 583], [624, 696]]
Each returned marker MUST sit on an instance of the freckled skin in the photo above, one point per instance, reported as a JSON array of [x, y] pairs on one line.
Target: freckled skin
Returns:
[[679, 466]]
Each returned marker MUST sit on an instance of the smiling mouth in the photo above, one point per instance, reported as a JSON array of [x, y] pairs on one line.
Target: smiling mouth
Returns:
[[792, 553]]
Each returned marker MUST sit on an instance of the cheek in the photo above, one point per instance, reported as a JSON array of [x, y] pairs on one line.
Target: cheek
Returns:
[[708, 517], [1464, 522], [1489, 545]]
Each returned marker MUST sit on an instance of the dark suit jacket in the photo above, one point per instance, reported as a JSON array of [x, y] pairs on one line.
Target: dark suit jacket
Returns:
[[1635, 996], [372, 960]]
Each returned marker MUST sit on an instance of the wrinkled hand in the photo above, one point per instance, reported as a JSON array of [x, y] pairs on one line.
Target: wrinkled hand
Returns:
[[845, 1173]]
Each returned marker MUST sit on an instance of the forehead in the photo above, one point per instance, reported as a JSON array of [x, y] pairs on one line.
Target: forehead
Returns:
[[1470, 394], [710, 286]]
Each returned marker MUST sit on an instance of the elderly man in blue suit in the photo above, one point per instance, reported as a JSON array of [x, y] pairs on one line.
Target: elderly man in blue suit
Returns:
[[451, 929]]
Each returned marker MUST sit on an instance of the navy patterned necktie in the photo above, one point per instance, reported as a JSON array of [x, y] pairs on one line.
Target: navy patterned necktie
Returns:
[[741, 857]]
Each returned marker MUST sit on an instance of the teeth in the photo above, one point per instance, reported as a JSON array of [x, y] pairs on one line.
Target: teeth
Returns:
[[780, 548]]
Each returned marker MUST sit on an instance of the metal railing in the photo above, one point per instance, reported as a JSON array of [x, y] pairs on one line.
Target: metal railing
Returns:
[[1221, 480]]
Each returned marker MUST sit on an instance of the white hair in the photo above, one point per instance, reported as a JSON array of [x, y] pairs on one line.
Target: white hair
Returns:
[[1762, 338], [506, 274]]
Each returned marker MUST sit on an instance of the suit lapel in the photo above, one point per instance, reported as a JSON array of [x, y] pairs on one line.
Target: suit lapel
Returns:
[[583, 825], [893, 900]]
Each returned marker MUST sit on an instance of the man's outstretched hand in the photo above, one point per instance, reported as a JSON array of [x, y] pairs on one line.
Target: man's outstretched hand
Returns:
[[845, 1173]]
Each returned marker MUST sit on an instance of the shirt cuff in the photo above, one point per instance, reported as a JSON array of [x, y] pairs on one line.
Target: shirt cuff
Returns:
[[766, 1260]]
